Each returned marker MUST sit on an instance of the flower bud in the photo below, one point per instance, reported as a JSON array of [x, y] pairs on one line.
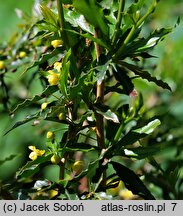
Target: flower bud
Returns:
[[77, 166], [61, 116], [44, 105], [2, 65], [49, 135], [22, 54], [55, 159]]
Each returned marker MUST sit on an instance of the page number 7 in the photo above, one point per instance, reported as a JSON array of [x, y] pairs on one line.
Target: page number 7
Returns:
[[174, 204]]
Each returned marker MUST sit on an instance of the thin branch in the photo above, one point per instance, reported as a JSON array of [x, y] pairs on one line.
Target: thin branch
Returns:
[[119, 20], [100, 99], [62, 22], [99, 117]]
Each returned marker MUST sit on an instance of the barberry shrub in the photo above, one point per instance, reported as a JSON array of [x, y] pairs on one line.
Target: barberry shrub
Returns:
[[87, 56]]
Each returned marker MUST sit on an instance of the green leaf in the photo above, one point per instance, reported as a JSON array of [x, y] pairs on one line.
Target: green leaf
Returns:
[[45, 94], [135, 6], [174, 176], [98, 173], [26, 120], [130, 138], [93, 14], [32, 167], [64, 74], [145, 75], [132, 181], [76, 19], [144, 44], [44, 58], [123, 78], [92, 38], [75, 90], [90, 169], [141, 152], [83, 147], [153, 39], [48, 15], [109, 115], [149, 128], [9, 158]]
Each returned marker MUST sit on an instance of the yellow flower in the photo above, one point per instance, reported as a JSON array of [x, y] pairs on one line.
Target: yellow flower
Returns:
[[58, 66], [52, 78], [35, 152], [33, 156], [49, 135], [22, 54], [2, 65], [44, 105], [56, 43]]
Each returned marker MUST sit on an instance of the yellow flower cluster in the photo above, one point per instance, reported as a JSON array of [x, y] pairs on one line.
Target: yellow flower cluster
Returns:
[[54, 77], [35, 152]]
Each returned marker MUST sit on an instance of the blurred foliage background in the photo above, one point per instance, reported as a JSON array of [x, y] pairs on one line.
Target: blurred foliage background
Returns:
[[167, 106]]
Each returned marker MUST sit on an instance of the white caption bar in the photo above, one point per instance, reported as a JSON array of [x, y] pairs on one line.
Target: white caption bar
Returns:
[[90, 207]]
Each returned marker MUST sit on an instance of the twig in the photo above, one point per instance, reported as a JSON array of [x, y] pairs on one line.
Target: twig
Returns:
[[99, 117]]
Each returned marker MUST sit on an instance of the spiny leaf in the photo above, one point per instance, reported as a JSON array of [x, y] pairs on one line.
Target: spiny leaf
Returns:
[[132, 181], [44, 58], [122, 76], [26, 120], [32, 167], [145, 75], [83, 147], [9, 158], [144, 44], [46, 93]]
